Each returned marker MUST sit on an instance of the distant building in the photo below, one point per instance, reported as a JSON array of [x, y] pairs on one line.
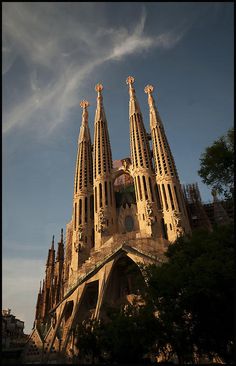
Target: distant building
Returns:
[[206, 215], [13, 337]]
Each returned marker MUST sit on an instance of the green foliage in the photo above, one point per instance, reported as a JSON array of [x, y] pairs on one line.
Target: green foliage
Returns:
[[217, 165], [126, 337], [188, 307], [129, 334], [193, 293], [88, 335]]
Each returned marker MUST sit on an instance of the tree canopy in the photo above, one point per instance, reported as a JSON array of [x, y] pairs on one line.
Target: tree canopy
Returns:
[[188, 308], [217, 164], [194, 294]]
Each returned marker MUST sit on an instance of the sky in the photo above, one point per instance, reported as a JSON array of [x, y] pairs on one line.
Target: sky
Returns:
[[53, 55]]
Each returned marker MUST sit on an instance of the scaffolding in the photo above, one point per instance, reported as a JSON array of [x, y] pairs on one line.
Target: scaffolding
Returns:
[[197, 215]]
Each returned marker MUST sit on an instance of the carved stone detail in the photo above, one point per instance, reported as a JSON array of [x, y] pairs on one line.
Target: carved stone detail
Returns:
[[177, 219], [126, 164], [150, 213], [101, 221], [148, 89], [130, 80], [99, 87], [84, 103]]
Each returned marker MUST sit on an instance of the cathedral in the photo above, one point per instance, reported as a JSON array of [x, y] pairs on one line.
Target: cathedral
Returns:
[[124, 213]]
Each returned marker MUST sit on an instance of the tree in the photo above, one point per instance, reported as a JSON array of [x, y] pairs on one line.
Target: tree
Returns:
[[125, 337], [217, 165], [88, 336], [188, 307], [193, 295]]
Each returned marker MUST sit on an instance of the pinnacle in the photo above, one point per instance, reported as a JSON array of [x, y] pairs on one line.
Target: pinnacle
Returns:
[[99, 87], [130, 80], [148, 89], [52, 242], [84, 103]]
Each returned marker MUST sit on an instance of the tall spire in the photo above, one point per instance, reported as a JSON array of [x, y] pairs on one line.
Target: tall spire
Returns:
[[84, 175], [58, 272], [102, 147], [133, 103], [164, 161], [52, 248], [147, 200], [38, 311], [104, 219], [100, 113], [174, 211], [83, 195], [60, 249], [51, 254], [140, 149]]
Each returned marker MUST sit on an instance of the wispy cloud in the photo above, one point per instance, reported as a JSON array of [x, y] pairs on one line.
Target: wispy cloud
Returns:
[[60, 51]]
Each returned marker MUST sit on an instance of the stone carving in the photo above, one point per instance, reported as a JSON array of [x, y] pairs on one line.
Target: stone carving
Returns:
[[99, 87], [126, 164], [130, 80], [84, 103], [179, 231], [148, 89], [79, 242], [177, 217], [150, 215], [101, 221], [77, 247], [80, 233]]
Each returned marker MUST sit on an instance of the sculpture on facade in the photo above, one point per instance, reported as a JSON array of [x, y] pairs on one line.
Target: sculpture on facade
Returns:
[[101, 221], [150, 213]]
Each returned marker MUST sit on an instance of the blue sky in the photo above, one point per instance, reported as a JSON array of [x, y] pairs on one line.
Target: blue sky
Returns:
[[53, 55]]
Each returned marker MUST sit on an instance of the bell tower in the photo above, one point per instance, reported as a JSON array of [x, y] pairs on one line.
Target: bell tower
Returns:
[[82, 217], [168, 184], [148, 203], [104, 198]]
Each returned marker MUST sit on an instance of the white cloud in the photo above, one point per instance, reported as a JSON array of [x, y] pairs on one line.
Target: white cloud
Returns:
[[61, 51]]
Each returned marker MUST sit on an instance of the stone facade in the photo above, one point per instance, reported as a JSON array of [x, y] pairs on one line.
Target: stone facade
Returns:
[[113, 227]]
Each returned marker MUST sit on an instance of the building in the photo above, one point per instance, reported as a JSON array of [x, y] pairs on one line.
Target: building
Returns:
[[124, 213], [13, 338], [206, 215]]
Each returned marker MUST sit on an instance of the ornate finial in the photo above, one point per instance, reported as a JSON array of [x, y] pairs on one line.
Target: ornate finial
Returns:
[[53, 239], [148, 89], [130, 80], [62, 235], [99, 87], [84, 103]]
